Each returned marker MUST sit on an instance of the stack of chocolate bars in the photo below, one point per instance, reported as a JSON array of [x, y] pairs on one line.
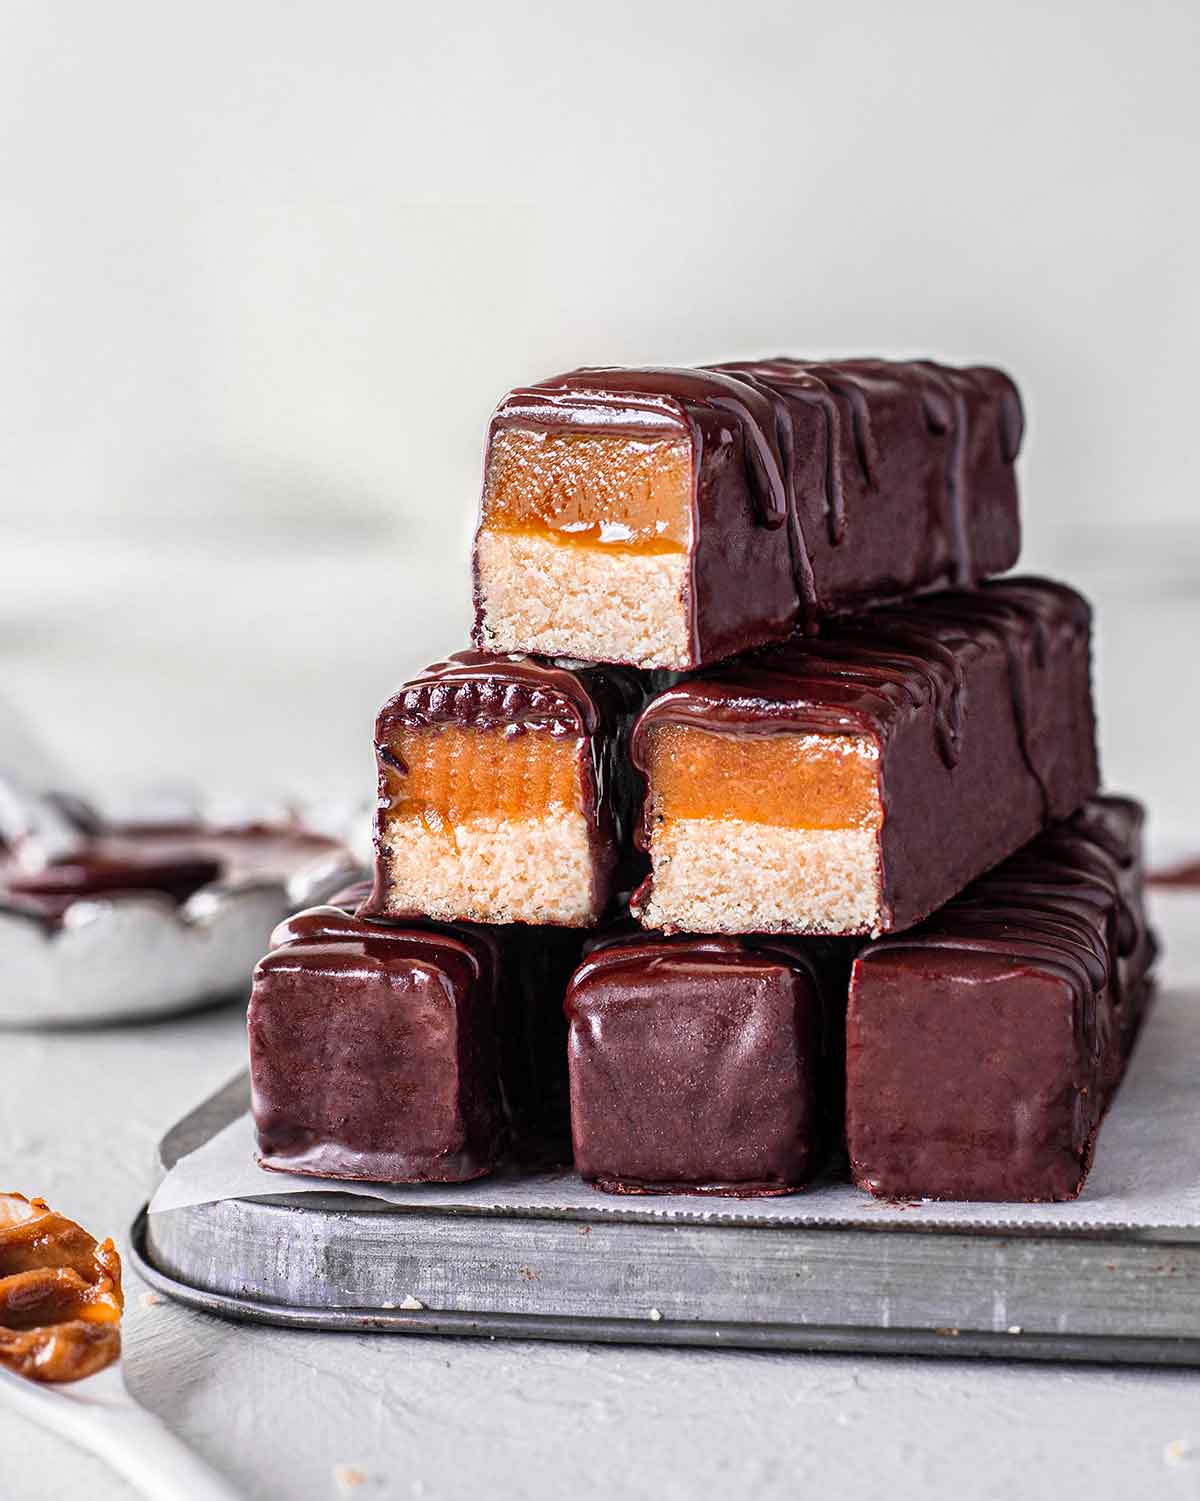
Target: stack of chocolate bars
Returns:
[[761, 821]]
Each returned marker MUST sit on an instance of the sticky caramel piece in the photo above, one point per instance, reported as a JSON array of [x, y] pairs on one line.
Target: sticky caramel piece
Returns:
[[589, 490], [60, 1294]]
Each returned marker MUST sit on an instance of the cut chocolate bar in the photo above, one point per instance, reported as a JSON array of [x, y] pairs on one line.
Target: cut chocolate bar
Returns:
[[669, 518], [373, 1051], [853, 783], [706, 1065], [505, 792], [984, 1045]]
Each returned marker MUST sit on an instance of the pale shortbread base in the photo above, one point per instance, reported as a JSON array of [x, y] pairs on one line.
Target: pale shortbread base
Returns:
[[727, 876], [563, 600], [493, 870]]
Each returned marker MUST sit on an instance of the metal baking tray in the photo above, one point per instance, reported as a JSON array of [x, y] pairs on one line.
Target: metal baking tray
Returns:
[[1114, 1277]]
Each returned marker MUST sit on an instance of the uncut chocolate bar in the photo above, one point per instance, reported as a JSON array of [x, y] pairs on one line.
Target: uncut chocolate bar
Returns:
[[853, 783], [505, 792], [984, 1045], [706, 1065], [669, 518]]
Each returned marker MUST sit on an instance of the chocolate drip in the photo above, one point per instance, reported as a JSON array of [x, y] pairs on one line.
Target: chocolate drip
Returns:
[[1017, 617], [1059, 903], [866, 672]]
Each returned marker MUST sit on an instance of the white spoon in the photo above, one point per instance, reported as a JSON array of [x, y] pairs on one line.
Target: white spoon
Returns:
[[99, 1414]]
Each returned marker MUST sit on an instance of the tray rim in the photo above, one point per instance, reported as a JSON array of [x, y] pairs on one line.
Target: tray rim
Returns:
[[1155, 1350]]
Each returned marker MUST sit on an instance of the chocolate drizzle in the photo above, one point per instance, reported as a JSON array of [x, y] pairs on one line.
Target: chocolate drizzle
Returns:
[[769, 402], [1062, 903], [984, 1045], [866, 673]]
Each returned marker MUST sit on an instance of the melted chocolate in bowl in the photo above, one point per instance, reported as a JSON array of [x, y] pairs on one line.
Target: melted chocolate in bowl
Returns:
[[171, 861]]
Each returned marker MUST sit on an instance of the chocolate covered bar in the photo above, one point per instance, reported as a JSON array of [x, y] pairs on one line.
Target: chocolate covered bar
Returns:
[[533, 965], [853, 783], [505, 792], [669, 518], [984, 1045], [314, 996], [706, 1065], [373, 1051]]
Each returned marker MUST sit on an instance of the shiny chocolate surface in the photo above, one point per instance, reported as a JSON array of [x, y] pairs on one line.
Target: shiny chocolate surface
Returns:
[[984, 1045]]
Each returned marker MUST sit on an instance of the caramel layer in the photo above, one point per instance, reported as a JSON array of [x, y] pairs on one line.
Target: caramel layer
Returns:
[[453, 775], [606, 491], [791, 781]]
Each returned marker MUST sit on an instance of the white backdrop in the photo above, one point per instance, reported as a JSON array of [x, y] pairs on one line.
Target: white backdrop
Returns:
[[265, 267]]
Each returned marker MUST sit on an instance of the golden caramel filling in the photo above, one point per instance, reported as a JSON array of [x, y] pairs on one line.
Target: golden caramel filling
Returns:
[[453, 775], [60, 1294], [591, 490], [790, 781]]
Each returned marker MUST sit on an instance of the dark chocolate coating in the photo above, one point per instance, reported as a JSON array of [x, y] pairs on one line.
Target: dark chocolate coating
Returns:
[[705, 1065], [529, 968], [373, 1051], [980, 704], [818, 487], [984, 1046], [531, 695]]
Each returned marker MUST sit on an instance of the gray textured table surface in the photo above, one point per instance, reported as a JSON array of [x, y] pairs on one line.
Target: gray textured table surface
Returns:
[[278, 1411]]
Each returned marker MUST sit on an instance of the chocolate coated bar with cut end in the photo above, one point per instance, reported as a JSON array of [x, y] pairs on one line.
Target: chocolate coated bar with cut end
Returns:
[[505, 792], [853, 783], [706, 1065], [373, 1051], [984, 1045], [670, 518]]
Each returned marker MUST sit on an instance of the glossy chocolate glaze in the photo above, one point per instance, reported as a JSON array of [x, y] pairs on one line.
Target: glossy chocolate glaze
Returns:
[[819, 487], [980, 704], [984, 1045], [533, 965], [593, 705], [705, 1065], [373, 1050]]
